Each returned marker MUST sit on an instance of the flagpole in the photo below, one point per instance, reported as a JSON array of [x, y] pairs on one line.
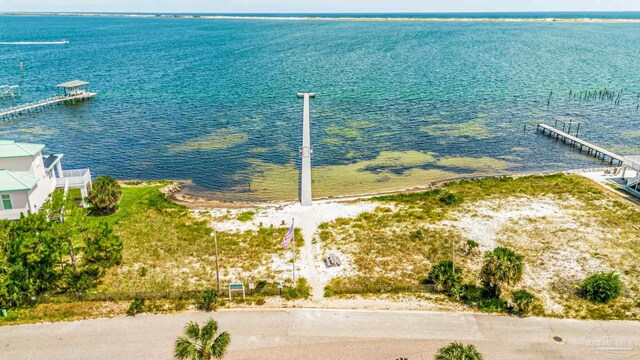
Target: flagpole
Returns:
[[294, 252]]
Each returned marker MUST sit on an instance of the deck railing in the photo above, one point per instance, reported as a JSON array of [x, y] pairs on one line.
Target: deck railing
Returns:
[[632, 162], [12, 214], [74, 178]]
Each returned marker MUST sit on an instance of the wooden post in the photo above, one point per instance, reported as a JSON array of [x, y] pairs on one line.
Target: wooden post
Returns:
[[215, 241]]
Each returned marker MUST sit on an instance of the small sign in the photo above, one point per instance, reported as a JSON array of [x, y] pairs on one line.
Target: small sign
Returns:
[[252, 286], [236, 287]]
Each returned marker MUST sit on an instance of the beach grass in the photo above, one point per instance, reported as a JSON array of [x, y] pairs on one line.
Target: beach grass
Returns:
[[565, 226], [166, 248]]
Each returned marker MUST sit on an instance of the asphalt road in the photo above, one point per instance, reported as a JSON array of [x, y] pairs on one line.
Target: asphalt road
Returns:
[[327, 334]]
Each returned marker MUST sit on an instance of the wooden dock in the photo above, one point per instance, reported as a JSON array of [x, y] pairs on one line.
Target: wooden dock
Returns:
[[576, 142], [69, 92], [41, 105]]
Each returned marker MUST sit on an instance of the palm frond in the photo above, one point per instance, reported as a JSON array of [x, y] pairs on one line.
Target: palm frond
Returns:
[[220, 345], [192, 330], [185, 349]]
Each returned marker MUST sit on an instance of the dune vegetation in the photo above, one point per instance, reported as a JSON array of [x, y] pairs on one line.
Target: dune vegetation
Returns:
[[565, 227]]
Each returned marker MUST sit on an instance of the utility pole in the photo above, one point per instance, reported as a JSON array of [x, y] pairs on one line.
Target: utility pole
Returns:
[[453, 255], [215, 241], [306, 150]]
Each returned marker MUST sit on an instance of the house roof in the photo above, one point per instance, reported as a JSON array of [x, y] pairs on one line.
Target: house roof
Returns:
[[72, 84], [16, 181], [9, 149]]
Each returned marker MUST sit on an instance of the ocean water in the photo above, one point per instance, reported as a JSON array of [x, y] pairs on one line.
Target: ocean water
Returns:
[[399, 104]]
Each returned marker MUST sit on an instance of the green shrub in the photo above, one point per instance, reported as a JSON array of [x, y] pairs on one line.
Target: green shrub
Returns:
[[81, 281], [446, 278], [601, 287], [450, 199], [458, 351], [501, 266], [142, 271], [136, 307], [302, 290], [209, 300], [523, 301], [246, 216], [471, 246], [260, 301]]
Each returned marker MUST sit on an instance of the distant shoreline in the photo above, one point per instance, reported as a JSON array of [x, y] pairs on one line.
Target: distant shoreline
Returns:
[[300, 17]]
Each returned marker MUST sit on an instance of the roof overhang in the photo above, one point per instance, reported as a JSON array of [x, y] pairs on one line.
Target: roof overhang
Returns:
[[51, 160], [72, 84], [16, 181], [12, 149]]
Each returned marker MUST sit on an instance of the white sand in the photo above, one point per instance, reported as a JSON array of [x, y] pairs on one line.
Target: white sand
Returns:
[[311, 266], [486, 219], [567, 258]]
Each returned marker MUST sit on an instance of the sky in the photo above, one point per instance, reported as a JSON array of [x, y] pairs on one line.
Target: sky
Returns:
[[315, 6]]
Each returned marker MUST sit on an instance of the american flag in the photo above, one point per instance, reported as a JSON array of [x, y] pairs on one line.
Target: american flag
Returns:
[[286, 240]]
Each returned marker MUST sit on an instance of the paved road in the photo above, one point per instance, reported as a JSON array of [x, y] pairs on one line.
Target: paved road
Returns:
[[327, 334]]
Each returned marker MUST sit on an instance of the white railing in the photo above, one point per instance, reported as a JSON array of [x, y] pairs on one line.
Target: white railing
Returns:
[[632, 162], [12, 214], [74, 178], [633, 182]]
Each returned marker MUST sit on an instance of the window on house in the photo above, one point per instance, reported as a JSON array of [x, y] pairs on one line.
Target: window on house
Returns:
[[6, 202]]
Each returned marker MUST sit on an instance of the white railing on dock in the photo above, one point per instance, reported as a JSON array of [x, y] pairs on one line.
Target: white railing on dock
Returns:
[[17, 110], [632, 162], [574, 140], [74, 178]]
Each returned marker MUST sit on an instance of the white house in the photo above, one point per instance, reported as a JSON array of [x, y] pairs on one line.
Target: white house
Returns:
[[27, 178]]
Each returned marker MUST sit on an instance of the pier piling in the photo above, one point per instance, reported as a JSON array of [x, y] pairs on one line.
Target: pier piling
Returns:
[[575, 142]]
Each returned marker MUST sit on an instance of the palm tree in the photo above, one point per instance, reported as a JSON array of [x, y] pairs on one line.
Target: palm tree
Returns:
[[501, 266], [202, 343], [105, 194], [458, 351]]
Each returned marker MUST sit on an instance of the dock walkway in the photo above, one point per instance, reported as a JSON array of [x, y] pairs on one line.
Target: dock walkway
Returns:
[[16, 111], [592, 149]]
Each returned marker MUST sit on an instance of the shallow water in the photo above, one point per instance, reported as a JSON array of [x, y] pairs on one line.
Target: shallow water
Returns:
[[399, 104]]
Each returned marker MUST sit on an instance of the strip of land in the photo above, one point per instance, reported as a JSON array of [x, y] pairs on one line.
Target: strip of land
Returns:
[[565, 226], [342, 18]]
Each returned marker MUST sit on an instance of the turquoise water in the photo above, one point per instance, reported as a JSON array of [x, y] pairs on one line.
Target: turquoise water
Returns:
[[214, 100]]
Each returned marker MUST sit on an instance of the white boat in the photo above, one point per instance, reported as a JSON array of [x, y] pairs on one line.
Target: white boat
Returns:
[[62, 42]]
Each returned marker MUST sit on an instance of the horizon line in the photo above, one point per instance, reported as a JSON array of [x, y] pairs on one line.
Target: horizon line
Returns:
[[324, 12]]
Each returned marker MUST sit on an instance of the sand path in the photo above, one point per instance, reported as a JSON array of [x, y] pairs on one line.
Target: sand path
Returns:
[[309, 264]]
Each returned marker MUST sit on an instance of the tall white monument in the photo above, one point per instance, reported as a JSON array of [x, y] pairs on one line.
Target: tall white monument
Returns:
[[306, 150]]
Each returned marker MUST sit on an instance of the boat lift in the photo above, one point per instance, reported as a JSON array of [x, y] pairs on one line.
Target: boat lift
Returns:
[[10, 91]]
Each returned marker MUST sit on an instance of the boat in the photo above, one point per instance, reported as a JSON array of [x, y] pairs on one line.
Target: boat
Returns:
[[62, 42]]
